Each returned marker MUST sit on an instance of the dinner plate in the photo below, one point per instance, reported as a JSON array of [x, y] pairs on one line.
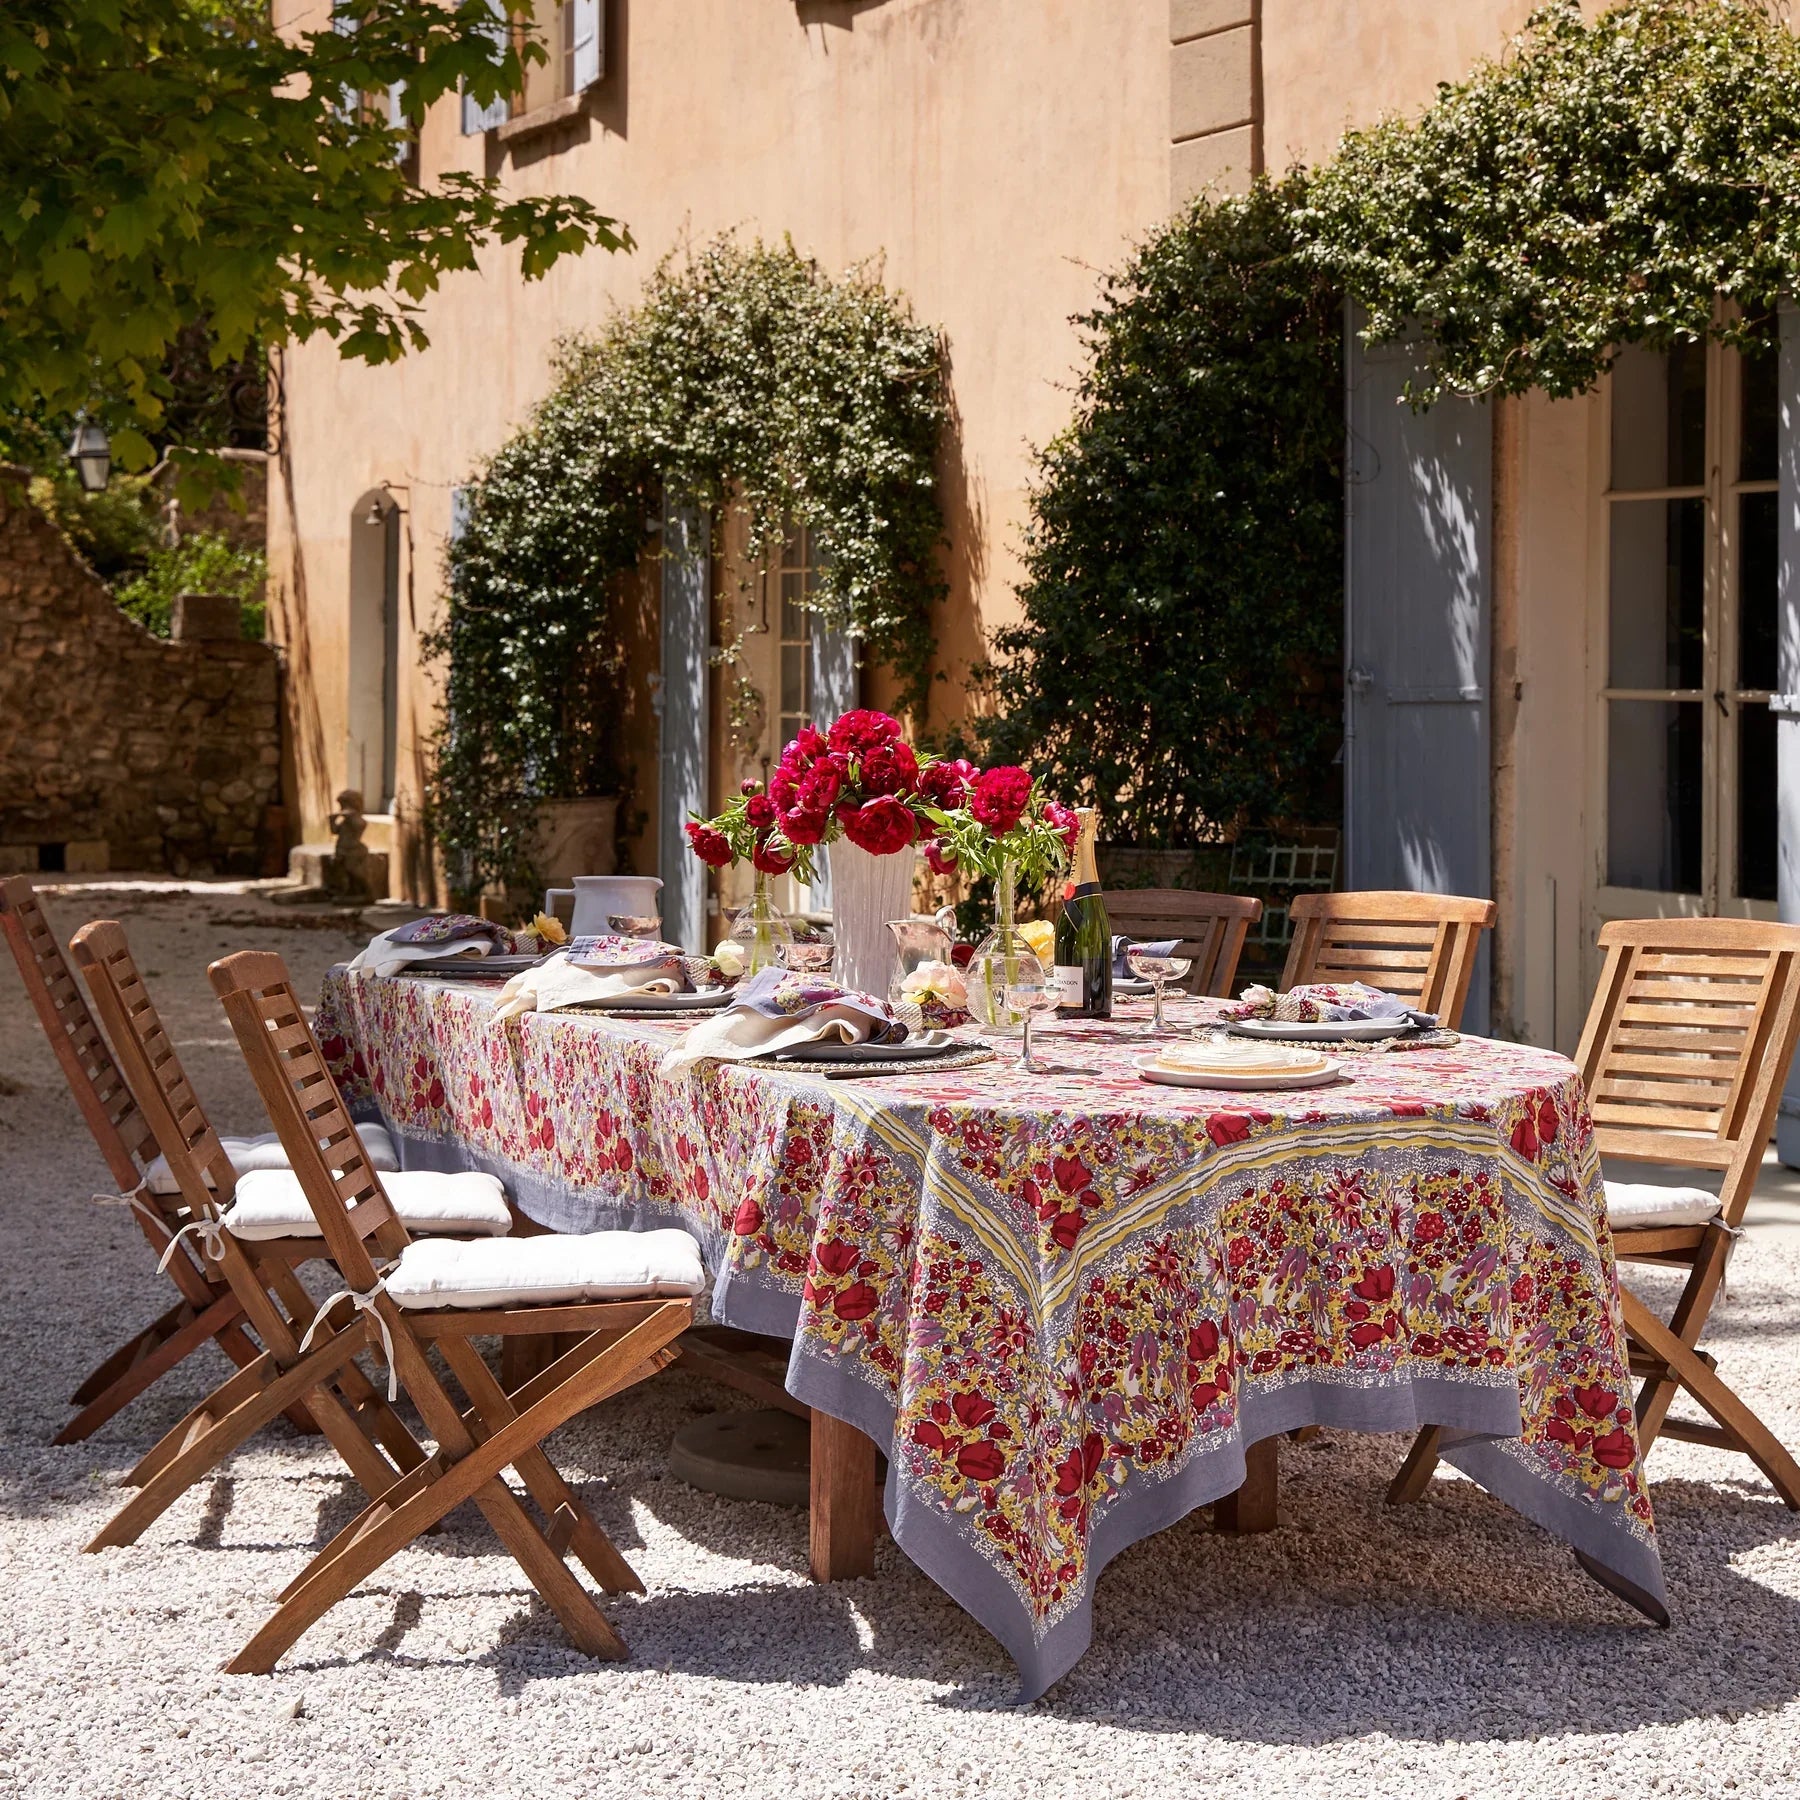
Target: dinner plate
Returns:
[[1149, 1071], [1319, 1031], [1133, 989], [707, 1000], [920, 1047]]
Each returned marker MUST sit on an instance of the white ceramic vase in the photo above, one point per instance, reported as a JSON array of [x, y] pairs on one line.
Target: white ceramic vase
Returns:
[[867, 891]]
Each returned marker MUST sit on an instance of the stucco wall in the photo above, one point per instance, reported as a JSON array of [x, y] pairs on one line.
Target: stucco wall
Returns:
[[123, 750], [996, 155]]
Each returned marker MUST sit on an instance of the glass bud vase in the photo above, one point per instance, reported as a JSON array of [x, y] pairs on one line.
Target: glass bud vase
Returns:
[[997, 960], [761, 931]]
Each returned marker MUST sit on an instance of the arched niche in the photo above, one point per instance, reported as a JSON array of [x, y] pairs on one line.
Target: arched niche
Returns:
[[372, 686]]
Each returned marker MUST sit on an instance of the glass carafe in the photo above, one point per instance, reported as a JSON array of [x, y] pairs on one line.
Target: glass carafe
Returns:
[[926, 978], [997, 960]]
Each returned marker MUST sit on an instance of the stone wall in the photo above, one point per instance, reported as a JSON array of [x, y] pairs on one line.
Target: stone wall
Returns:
[[119, 750]]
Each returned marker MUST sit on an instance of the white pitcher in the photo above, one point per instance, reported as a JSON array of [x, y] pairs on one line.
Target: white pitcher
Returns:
[[599, 900]]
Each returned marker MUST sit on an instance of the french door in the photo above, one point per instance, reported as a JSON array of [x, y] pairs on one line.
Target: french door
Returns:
[[1688, 635]]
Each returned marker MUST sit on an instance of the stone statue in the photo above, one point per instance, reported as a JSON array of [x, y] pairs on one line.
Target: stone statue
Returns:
[[348, 872]]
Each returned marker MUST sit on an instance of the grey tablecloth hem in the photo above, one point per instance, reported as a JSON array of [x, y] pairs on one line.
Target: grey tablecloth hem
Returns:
[[1483, 1410]]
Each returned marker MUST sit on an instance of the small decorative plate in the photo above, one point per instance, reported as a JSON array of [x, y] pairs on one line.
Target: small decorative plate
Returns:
[[920, 1047], [1319, 1031], [1270, 1081], [707, 1000]]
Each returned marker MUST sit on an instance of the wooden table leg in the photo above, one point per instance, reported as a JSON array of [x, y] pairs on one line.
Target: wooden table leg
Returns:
[[843, 1500], [1252, 1507]]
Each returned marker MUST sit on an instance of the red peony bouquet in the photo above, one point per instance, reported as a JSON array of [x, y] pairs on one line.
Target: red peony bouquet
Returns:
[[861, 780]]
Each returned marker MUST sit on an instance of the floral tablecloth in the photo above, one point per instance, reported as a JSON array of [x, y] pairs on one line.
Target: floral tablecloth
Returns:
[[1065, 1304]]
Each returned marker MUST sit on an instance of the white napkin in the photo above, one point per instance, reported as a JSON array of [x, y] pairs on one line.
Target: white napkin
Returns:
[[385, 957], [558, 983], [778, 1010]]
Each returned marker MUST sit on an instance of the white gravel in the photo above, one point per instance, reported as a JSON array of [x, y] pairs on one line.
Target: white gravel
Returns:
[[1448, 1649]]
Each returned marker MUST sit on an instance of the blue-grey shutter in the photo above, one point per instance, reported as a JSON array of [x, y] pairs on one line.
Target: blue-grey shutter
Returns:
[[836, 688], [1418, 607], [477, 118], [681, 708], [586, 51], [1786, 704]]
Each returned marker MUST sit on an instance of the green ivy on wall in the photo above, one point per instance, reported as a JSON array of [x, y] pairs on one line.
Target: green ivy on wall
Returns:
[[745, 376], [1183, 598]]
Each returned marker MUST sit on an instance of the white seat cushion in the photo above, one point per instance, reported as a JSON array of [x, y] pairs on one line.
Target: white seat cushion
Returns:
[[270, 1203], [1633, 1205], [265, 1152], [542, 1271]]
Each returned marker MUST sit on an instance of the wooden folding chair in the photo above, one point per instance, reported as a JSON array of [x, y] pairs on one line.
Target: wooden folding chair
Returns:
[[207, 1310], [1209, 928], [1684, 1056], [1420, 947], [324, 1380], [429, 1292]]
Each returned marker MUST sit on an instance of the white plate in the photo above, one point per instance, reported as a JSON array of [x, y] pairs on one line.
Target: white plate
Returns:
[[707, 999], [1320, 1031], [1149, 1071], [1130, 988], [917, 1048], [473, 968]]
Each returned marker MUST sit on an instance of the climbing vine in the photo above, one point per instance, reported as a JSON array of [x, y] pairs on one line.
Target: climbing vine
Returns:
[[746, 376], [1630, 179]]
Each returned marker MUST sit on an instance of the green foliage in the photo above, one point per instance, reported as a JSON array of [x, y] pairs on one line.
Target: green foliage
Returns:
[[167, 163], [1176, 664], [745, 376], [1600, 186], [116, 532], [203, 563]]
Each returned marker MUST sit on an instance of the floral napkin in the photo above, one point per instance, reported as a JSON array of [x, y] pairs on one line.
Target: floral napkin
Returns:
[[609, 967], [777, 1009], [432, 939], [1326, 1002]]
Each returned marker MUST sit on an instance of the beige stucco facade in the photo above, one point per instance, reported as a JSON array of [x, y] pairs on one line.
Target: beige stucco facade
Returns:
[[996, 156]]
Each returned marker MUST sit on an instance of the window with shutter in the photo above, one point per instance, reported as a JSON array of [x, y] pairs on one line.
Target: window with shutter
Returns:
[[583, 60], [477, 118]]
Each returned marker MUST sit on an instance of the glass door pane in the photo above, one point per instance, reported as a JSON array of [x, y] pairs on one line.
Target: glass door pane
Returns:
[[1654, 787], [1658, 594], [1758, 817], [1659, 418]]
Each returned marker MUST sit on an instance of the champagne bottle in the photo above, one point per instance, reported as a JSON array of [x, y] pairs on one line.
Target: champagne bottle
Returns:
[[1084, 935]]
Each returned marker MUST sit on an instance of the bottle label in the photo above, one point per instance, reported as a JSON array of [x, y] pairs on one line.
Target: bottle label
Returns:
[[1068, 985]]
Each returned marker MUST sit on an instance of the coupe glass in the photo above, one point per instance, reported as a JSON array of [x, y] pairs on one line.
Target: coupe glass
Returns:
[[1158, 971], [1031, 988], [810, 956], [632, 925]]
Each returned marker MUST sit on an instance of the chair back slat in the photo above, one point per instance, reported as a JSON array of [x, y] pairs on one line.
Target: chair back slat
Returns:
[[105, 1099], [1419, 947], [1687, 1044], [1209, 928], [308, 1112], [189, 1145]]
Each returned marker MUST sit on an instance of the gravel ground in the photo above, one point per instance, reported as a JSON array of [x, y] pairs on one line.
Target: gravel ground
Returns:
[[1447, 1649]]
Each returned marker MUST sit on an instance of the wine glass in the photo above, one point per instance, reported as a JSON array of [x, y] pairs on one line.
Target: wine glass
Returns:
[[1148, 966], [1031, 988]]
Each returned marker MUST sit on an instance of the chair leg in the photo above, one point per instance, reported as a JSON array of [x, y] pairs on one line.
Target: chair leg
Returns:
[[1688, 1367], [257, 1396], [130, 1353], [1416, 1472], [1685, 1323], [421, 1498], [219, 1320]]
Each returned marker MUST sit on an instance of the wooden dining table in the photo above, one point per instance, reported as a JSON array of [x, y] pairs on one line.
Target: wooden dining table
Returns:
[[1072, 1306]]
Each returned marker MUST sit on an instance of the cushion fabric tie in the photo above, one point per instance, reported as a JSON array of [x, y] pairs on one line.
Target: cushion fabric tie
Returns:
[[212, 1241], [363, 1303]]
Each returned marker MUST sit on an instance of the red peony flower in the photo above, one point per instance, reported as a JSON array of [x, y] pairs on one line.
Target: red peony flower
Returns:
[[947, 784], [709, 845], [760, 811], [805, 747], [769, 859], [882, 826], [800, 827], [999, 798], [861, 730], [820, 786], [1062, 820], [890, 769], [939, 859]]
